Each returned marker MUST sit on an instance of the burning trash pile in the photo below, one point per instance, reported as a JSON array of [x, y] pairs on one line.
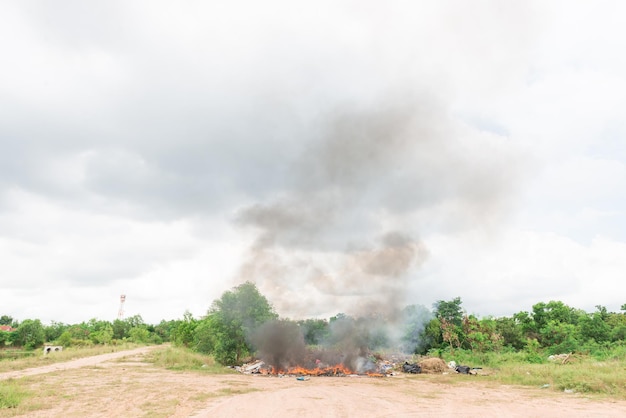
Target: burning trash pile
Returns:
[[281, 351], [363, 367]]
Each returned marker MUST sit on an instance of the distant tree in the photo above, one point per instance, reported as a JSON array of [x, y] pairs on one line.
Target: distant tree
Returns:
[[139, 335], [314, 331], [121, 329], [54, 330], [559, 337], [204, 335], [65, 339], [165, 328], [527, 324], [449, 315], [234, 317], [183, 331], [104, 334], [595, 326], [79, 331], [30, 334], [555, 324], [6, 320], [134, 321], [481, 334], [6, 338], [451, 311], [512, 333]]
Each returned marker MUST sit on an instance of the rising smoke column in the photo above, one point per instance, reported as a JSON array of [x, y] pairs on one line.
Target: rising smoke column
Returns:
[[344, 234]]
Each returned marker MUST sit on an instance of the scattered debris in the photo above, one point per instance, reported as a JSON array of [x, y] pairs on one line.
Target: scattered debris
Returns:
[[255, 367], [568, 390], [563, 358], [546, 386], [462, 369], [477, 371], [411, 368], [303, 378]]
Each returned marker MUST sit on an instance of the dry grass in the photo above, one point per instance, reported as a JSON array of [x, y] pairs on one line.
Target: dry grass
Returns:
[[433, 365]]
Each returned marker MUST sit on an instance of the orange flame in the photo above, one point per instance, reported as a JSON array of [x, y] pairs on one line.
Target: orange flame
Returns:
[[336, 370]]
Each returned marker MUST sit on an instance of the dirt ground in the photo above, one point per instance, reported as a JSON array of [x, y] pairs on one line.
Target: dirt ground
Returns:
[[122, 384]]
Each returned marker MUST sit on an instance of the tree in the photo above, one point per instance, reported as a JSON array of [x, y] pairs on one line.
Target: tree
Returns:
[[30, 334], [449, 315], [120, 329], [554, 322], [6, 320], [204, 335], [139, 335], [54, 330], [594, 326], [103, 335], [233, 318], [183, 333], [451, 311], [315, 331], [511, 332]]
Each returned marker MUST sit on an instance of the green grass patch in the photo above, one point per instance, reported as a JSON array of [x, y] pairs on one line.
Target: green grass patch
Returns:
[[182, 359], [582, 373], [11, 395], [13, 354]]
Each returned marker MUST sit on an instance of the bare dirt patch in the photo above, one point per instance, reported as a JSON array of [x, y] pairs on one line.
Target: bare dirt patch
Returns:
[[122, 384]]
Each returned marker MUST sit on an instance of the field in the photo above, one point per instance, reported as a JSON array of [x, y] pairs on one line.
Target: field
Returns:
[[164, 382]]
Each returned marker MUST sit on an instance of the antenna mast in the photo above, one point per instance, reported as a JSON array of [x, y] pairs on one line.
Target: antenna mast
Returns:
[[120, 313]]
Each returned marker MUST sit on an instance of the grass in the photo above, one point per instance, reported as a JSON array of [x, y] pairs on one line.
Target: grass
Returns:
[[12, 354], [586, 376], [11, 395], [70, 353], [182, 359], [584, 373]]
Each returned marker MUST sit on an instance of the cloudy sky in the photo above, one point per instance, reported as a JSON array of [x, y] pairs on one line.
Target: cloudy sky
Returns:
[[345, 156]]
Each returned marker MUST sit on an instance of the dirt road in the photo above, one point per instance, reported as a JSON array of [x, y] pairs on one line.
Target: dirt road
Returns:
[[122, 384], [75, 364]]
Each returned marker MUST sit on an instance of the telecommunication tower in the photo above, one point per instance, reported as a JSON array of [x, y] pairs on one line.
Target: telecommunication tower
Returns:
[[120, 313]]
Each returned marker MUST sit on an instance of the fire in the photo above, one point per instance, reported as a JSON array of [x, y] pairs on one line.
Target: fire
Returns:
[[336, 370]]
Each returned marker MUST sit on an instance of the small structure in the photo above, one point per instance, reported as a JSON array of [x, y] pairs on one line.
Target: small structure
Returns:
[[50, 348]]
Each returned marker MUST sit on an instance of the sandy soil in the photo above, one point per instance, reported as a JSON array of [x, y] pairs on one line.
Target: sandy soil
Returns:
[[122, 384]]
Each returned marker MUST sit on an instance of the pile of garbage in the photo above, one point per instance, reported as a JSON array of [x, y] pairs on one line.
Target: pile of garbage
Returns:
[[562, 358], [464, 369], [371, 367], [375, 367]]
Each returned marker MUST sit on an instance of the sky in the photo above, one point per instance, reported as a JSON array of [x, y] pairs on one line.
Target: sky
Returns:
[[345, 156]]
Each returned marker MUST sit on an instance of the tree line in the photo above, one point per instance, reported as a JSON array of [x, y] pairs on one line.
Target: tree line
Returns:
[[231, 328], [228, 330], [31, 333]]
